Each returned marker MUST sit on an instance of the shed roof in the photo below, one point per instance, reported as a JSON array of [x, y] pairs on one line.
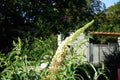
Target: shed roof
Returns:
[[106, 33]]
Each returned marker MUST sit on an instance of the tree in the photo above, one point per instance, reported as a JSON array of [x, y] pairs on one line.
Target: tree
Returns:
[[43, 17], [107, 21]]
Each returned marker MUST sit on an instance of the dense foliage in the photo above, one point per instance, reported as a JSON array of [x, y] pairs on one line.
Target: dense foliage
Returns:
[[25, 58], [28, 36], [41, 18]]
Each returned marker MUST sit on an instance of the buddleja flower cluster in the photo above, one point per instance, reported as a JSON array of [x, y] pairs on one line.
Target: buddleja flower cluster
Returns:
[[64, 49]]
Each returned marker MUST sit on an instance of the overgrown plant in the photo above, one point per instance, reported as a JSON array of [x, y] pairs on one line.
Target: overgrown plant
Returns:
[[25, 62], [68, 59]]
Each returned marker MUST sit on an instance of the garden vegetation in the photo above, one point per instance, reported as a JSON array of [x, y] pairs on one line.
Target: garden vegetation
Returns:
[[28, 38]]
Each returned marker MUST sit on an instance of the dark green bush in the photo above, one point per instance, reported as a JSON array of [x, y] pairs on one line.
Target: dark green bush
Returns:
[[112, 62]]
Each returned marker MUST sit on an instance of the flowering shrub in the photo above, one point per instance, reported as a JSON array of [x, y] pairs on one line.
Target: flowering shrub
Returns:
[[37, 61]]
